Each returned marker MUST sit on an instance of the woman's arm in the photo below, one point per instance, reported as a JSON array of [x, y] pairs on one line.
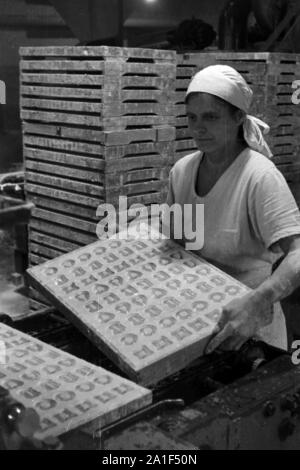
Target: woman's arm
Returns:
[[242, 318], [286, 278]]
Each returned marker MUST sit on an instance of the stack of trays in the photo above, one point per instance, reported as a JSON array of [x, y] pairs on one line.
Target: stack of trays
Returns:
[[98, 123], [283, 114]]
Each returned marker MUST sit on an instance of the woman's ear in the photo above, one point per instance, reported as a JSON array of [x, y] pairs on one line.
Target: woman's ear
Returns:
[[240, 117]]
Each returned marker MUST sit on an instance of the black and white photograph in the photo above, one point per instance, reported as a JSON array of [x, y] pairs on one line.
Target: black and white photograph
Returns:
[[149, 228]]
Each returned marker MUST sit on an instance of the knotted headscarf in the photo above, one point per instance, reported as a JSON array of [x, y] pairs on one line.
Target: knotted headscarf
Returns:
[[226, 83]]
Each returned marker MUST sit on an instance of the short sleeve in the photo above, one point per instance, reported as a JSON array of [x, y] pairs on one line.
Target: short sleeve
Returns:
[[170, 197], [272, 208], [165, 223], [168, 220]]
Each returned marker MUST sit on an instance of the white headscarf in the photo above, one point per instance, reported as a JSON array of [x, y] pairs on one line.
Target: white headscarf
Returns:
[[226, 83]]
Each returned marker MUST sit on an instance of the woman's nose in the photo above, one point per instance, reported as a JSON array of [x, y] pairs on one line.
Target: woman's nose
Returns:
[[198, 127]]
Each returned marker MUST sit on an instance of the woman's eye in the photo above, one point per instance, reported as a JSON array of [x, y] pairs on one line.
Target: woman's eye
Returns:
[[212, 117]]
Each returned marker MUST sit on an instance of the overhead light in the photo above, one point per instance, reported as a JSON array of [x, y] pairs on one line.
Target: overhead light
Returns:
[[150, 1]]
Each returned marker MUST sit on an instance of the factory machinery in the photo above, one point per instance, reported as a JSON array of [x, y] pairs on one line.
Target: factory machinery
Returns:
[[235, 400], [248, 399]]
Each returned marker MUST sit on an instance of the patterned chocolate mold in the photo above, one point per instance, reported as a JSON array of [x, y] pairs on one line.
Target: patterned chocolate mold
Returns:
[[214, 315], [233, 290], [134, 287], [217, 297], [66, 391]]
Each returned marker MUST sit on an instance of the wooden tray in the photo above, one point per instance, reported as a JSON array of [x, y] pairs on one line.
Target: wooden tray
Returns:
[[148, 304], [65, 391]]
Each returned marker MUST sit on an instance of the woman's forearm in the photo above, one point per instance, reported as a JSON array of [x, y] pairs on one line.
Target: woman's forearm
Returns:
[[284, 280]]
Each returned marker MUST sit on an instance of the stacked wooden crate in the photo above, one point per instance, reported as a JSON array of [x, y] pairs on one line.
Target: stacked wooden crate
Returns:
[[283, 116], [271, 76], [186, 68], [98, 123]]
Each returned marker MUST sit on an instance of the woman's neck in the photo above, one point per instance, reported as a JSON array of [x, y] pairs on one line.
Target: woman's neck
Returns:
[[222, 158]]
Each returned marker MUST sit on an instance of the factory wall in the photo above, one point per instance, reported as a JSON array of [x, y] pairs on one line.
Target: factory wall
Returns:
[[172, 12], [99, 19], [22, 23]]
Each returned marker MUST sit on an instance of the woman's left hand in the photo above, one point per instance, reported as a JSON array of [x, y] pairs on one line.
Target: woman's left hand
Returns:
[[240, 320]]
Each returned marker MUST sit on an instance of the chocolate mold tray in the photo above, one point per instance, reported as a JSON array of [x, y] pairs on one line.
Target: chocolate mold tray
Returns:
[[147, 303], [65, 391]]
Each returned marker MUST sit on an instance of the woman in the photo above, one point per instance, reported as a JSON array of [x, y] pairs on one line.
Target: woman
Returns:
[[250, 215]]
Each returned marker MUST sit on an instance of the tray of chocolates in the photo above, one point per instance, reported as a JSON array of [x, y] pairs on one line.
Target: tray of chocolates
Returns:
[[146, 302], [65, 391]]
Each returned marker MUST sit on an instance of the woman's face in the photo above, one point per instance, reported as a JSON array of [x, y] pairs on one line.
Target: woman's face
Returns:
[[212, 123]]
